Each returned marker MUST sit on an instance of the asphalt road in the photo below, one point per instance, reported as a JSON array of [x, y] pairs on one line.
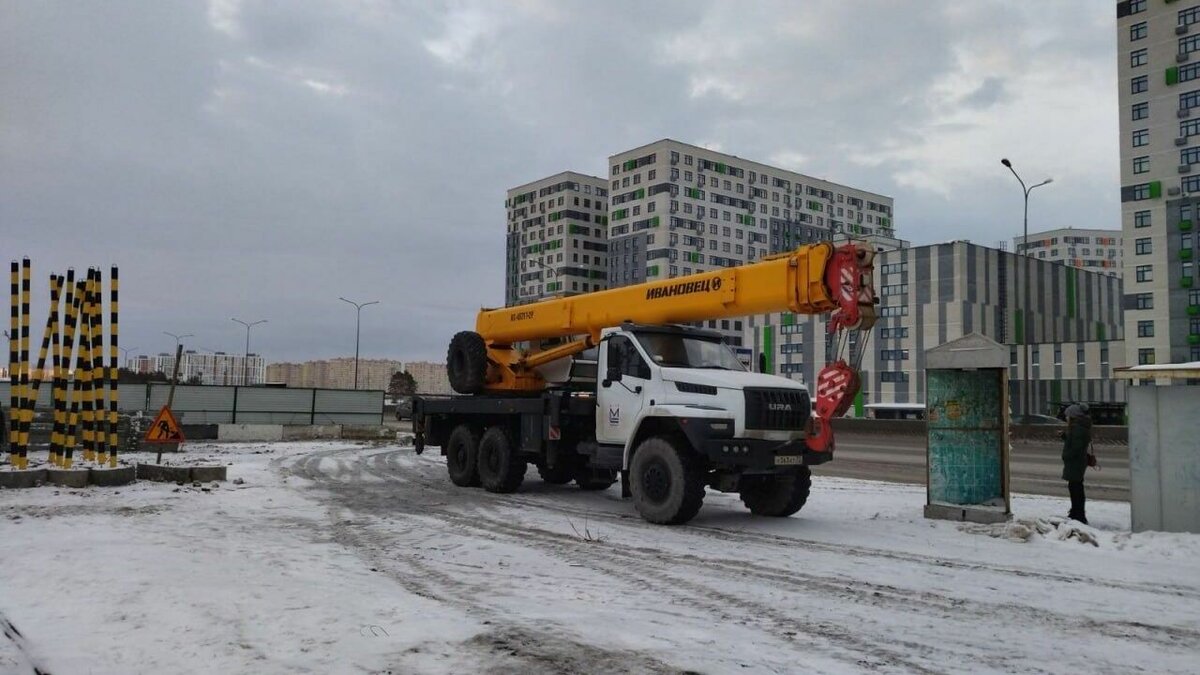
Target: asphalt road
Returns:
[[1035, 466]]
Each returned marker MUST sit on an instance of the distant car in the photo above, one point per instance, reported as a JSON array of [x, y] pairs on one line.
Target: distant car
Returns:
[[1037, 419], [404, 408]]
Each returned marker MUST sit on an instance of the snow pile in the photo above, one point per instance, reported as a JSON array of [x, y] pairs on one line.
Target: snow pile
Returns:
[[1024, 529]]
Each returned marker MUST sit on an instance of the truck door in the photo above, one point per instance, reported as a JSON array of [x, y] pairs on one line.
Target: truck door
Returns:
[[623, 377]]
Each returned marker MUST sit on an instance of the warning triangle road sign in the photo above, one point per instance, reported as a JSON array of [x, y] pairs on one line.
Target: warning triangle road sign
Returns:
[[165, 428]]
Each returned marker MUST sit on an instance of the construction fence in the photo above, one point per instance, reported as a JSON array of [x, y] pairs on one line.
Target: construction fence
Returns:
[[213, 404]]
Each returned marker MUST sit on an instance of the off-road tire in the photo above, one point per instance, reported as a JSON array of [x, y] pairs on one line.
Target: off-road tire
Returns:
[[501, 469], [777, 495], [466, 362], [594, 479], [462, 449], [559, 475], [667, 481]]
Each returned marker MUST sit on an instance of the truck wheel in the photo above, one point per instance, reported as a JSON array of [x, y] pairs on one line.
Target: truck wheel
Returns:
[[777, 495], [667, 481], [462, 449], [500, 469], [466, 362], [595, 479], [559, 475]]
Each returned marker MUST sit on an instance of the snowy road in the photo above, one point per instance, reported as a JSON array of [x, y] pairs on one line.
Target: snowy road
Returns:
[[350, 558]]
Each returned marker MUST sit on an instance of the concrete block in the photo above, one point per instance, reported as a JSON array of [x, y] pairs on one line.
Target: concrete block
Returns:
[[163, 473], [311, 432], [966, 513], [208, 474], [22, 479], [250, 432], [75, 478], [121, 475], [367, 432]]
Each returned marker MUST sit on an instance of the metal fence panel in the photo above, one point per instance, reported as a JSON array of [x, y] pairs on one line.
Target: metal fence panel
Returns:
[[211, 404]]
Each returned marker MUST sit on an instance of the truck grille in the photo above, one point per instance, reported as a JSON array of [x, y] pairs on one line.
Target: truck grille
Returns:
[[787, 409]]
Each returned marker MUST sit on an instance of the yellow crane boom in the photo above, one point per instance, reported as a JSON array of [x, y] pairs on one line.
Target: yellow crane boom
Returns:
[[811, 279]]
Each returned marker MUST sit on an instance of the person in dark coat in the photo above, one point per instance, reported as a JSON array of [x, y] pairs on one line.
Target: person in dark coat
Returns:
[[1077, 440]]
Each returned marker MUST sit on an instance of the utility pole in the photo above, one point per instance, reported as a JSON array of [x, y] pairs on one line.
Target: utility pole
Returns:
[[357, 325]]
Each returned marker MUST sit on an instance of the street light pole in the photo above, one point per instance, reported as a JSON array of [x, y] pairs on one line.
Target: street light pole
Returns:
[[357, 325], [246, 358], [1025, 313]]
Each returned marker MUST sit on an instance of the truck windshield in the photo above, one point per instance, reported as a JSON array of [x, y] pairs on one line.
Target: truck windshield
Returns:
[[682, 351]]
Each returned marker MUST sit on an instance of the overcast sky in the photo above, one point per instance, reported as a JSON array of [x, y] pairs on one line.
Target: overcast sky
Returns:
[[259, 159]]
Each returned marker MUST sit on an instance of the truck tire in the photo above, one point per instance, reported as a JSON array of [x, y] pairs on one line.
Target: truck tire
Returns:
[[777, 495], [462, 449], [559, 475], [466, 362], [500, 467], [667, 481], [594, 479]]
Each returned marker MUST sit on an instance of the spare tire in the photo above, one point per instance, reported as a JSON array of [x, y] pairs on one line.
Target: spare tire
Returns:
[[466, 362]]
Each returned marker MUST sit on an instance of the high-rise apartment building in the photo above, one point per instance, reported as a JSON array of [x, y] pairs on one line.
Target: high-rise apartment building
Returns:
[[677, 209], [1092, 250], [556, 242], [213, 367], [1158, 67], [335, 373], [930, 295]]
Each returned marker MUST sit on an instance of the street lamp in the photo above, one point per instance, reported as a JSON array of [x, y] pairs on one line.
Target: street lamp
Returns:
[[178, 338], [1025, 314], [126, 352], [357, 325], [246, 360]]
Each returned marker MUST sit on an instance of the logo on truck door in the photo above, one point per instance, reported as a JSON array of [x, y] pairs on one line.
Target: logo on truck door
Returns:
[[614, 416]]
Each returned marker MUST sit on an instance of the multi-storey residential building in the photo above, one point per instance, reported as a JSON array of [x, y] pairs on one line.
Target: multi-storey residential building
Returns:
[[677, 209], [1158, 67], [430, 377], [556, 242], [1092, 250], [335, 373], [214, 367], [930, 295]]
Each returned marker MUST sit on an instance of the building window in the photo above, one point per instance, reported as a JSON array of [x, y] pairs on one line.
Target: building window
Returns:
[[1139, 84], [1137, 6], [1104, 355], [1137, 31], [1137, 58], [1194, 297], [1189, 44], [893, 354], [1189, 100], [1188, 16], [1190, 184], [1142, 246], [1145, 329], [1058, 355], [888, 376], [1141, 219], [1139, 193], [1143, 301], [1141, 111], [1144, 272], [1141, 137], [1142, 164], [1146, 356]]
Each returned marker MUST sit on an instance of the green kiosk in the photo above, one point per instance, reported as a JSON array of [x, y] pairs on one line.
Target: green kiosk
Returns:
[[966, 408]]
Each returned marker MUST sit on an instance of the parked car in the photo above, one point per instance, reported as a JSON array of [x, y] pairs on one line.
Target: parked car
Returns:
[[404, 408]]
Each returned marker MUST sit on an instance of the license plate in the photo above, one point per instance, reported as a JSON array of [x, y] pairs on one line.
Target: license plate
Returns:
[[789, 459]]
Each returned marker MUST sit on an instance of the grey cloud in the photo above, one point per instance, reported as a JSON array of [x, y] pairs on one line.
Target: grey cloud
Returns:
[[322, 149]]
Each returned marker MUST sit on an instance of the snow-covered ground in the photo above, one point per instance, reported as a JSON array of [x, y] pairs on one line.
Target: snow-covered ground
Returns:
[[337, 557]]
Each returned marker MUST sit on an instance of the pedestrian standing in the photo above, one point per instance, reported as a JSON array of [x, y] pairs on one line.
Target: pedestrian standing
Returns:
[[1077, 440]]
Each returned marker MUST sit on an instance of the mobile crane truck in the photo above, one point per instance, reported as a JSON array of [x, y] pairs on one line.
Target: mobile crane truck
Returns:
[[611, 382]]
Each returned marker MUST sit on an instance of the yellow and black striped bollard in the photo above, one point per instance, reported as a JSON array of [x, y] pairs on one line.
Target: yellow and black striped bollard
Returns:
[[14, 365], [23, 432], [39, 373], [74, 319], [113, 368]]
